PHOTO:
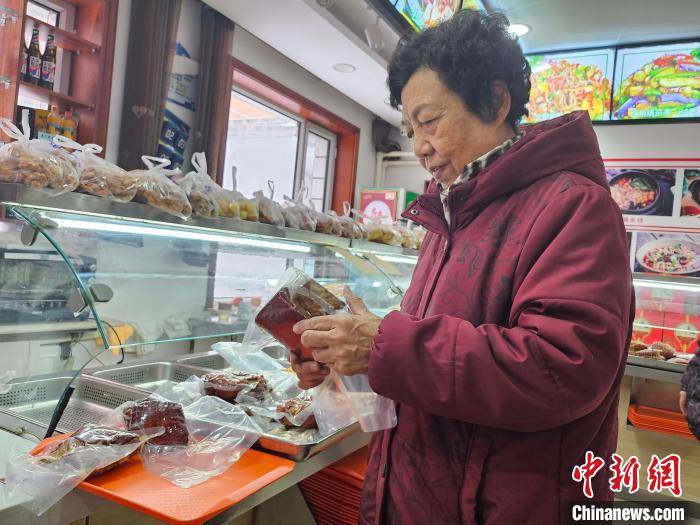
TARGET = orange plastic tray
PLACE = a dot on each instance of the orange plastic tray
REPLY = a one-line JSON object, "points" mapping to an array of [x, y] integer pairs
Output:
{"points": [[354, 465], [659, 420], [132, 486]]}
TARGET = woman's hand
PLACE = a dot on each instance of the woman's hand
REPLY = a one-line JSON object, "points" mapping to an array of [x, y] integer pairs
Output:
{"points": [[683, 401], [310, 373], [342, 342]]}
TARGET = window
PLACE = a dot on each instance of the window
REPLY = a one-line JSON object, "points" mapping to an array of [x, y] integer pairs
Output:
{"points": [[265, 143]]}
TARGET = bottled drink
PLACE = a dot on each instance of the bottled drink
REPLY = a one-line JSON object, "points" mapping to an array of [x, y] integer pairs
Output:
{"points": [[25, 58], [69, 125], [48, 64], [34, 62], [54, 121]]}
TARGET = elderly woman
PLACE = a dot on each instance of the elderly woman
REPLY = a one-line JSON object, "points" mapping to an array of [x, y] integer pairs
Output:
{"points": [[506, 358]]}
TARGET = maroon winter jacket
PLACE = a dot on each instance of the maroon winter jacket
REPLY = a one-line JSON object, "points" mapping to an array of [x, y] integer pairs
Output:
{"points": [[506, 358]]}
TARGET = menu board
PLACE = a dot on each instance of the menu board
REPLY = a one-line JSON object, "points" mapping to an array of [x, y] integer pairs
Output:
{"points": [[566, 82], [427, 13], [655, 82]]}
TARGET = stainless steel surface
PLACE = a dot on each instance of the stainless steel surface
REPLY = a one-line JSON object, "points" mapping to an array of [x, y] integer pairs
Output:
{"points": [[655, 393], [205, 360], [301, 471], [97, 206], [36, 399], [301, 450], [641, 367], [148, 376]]}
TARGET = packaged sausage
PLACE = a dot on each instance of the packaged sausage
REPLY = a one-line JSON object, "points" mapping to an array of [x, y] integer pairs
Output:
{"points": [[298, 297], [155, 188], [35, 162], [98, 176]]}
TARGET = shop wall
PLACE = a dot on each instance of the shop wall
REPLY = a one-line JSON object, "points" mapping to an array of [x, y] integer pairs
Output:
{"points": [[254, 52]]}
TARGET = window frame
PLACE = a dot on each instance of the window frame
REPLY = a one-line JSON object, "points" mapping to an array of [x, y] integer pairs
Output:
{"points": [[249, 79]]}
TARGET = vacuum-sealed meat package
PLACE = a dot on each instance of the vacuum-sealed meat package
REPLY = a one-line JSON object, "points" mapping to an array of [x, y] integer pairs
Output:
{"points": [[298, 297]]}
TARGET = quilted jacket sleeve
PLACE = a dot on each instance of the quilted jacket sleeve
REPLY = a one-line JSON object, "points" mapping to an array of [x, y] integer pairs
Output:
{"points": [[564, 344]]}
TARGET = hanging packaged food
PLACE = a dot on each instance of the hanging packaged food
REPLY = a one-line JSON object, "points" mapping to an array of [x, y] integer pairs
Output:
{"points": [[154, 187], [35, 162]]}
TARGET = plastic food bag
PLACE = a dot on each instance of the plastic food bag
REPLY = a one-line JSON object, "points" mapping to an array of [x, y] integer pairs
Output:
{"points": [[57, 469], [331, 407], [419, 233], [269, 211], [156, 189], [297, 297], [296, 215], [383, 233], [326, 223], [240, 358], [408, 238], [219, 435], [201, 189], [349, 228], [35, 162], [297, 412], [247, 208], [98, 176]]}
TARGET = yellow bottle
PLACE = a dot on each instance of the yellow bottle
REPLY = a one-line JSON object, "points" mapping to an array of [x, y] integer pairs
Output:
{"points": [[54, 121], [69, 125]]}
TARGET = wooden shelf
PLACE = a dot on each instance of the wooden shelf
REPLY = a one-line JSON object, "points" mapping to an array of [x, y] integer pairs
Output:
{"points": [[55, 97], [67, 40]]}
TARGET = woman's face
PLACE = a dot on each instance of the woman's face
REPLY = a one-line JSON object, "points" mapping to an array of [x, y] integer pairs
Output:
{"points": [[446, 135]]}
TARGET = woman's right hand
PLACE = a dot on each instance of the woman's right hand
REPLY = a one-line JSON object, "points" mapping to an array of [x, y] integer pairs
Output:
{"points": [[310, 373], [683, 401]]}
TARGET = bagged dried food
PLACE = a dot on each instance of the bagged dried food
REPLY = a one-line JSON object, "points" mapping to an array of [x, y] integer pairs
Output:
{"points": [[326, 223], [228, 204], [247, 208], [296, 215], [408, 238], [35, 162], [297, 297], [419, 233], [219, 434], [382, 233], [156, 189], [269, 211], [349, 228], [98, 176], [201, 189], [52, 472]]}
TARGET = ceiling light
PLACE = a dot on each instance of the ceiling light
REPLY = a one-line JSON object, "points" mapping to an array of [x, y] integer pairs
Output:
{"points": [[519, 29], [344, 68], [325, 3]]}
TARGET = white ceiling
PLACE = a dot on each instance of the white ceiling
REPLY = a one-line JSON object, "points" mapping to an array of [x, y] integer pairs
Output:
{"points": [[317, 37], [312, 37]]}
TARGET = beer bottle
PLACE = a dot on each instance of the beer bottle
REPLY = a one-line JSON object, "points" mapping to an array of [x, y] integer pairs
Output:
{"points": [[25, 58], [48, 63], [34, 63]]}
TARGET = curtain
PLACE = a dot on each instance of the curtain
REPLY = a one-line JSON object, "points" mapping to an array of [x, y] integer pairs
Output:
{"points": [[214, 90], [152, 37]]}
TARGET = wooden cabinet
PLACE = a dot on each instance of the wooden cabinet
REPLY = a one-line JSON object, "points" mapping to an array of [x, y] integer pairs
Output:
{"points": [[88, 46]]}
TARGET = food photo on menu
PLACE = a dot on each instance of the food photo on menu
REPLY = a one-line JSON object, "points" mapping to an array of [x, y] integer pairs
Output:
{"points": [[643, 191], [566, 82], [667, 253], [690, 203], [657, 82]]}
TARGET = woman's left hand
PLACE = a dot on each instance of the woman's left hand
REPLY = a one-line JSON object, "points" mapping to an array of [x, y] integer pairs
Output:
{"points": [[342, 342]]}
